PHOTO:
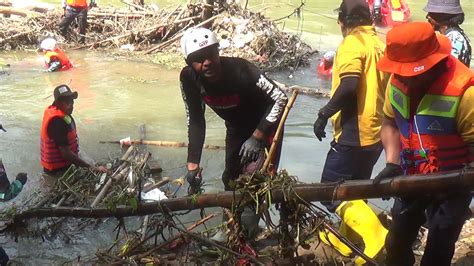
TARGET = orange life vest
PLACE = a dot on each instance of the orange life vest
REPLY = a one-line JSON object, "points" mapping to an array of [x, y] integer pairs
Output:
{"points": [[51, 157], [429, 138], [77, 3], [61, 56]]}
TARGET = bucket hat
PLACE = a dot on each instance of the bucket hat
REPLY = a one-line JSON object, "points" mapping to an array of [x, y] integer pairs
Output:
{"points": [[443, 6], [412, 49]]}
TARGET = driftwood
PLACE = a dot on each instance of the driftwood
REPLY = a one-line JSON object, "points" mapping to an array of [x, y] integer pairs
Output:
{"points": [[320, 93], [162, 144], [417, 185]]}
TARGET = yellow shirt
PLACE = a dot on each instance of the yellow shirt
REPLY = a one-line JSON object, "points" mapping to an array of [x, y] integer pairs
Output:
{"points": [[464, 117], [357, 56]]}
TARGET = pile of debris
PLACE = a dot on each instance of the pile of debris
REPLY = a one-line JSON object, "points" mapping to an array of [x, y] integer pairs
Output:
{"points": [[148, 29]]}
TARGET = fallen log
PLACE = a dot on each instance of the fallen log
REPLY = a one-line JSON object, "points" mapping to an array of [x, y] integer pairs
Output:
{"points": [[416, 185], [161, 143], [320, 93]]}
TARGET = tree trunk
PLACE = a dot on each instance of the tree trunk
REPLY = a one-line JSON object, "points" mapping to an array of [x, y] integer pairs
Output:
{"points": [[414, 186]]}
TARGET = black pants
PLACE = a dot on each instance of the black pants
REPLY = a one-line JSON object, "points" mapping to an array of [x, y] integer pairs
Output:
{"points": [[348, 163], [234, 139], [71, 14], [445, 220]]}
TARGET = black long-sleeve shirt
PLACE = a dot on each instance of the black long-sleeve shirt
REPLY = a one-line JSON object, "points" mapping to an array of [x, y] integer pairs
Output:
{"points": [[243, 97]]}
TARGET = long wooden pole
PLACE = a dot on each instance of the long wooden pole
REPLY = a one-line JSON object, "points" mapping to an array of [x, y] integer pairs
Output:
{"points": [[277, 137], [417, 185], [163, 143]]}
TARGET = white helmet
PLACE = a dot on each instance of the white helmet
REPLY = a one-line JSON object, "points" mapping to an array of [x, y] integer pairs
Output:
{"points": [[48, 44], [329, 56], [197, 39]]}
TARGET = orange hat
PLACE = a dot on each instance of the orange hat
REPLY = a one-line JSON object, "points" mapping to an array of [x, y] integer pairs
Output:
{"points": [[412, 49]]}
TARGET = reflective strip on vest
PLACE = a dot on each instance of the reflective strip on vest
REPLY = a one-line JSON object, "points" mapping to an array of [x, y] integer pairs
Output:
{"points": [[400, 101], [438, 105]]}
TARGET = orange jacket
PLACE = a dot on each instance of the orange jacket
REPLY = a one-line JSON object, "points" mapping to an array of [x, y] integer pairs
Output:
{"points": [[77, 3], [51, 157], [60, 55], [429, 139]]}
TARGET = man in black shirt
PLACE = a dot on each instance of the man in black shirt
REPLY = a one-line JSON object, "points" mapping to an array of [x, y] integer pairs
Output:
{"points": [[59, 142], [249, 102]]}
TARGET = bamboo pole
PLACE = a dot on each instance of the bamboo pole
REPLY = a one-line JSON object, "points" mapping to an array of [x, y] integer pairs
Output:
{"points": [[117, 176], [277, 137], [163, 143], [402, 186]]}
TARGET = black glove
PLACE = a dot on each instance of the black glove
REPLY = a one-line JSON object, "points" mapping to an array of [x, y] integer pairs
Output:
{"points": [[22, 177], [319, 126], [250, 150], [390, 170], [194, 179]]}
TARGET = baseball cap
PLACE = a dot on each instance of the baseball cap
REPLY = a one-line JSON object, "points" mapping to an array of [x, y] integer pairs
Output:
{"points": [[354, 8], [63, 91], [412, 49]]}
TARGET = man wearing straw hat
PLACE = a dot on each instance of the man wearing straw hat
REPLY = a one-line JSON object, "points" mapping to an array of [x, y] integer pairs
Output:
{"points": [[428, 128]]}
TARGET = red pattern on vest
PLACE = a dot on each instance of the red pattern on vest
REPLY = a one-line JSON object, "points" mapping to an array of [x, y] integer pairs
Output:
{"points": [[77, 3], [61, 56], [446, 151], [51, 157]]}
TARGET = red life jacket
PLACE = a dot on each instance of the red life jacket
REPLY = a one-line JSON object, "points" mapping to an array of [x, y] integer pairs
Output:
{"points": [[61, 56], [77, 3], [429, 138], [51, 157]]}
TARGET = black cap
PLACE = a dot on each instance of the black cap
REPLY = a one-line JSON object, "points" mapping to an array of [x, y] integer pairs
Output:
{"points": [[63, 91], [358, 9]]}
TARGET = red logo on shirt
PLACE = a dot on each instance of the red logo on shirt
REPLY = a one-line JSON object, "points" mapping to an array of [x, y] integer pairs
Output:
{"points": [[222, 102]]}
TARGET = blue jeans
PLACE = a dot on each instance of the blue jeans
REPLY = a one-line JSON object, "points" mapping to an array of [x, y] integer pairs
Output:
{"points": [[345, 162]]}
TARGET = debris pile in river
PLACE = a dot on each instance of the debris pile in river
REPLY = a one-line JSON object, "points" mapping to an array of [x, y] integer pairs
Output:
{"points": [[149, 30]]}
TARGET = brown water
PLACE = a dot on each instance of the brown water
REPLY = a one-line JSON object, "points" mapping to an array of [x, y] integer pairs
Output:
{"points": [[117, 95]]}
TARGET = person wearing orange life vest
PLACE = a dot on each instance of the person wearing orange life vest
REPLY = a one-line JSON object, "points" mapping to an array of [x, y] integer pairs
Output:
{"points": [[54, 58], [59, 141], [428, 128], [73, 9]]}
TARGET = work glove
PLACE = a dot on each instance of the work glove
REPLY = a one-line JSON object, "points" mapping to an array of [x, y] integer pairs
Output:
{"points": [[319, 126], [22, 177], [390, 170], [250, 150], [194, 179]]}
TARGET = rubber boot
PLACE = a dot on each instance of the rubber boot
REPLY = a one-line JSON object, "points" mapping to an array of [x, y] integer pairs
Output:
{"points": [[331, 240], [361, 219]]}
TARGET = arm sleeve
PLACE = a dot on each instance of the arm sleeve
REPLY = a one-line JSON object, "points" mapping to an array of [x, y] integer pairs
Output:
{"points": [[457, 43], [57, 131], [346, 91], [195, 116], [465, 117], [387, 107], [275, 95]]}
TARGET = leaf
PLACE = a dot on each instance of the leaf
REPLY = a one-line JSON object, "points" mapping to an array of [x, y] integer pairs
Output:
{"points": [[133, 203]]}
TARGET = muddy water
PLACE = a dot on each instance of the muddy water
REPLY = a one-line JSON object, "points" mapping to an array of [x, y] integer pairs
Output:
{"points": [[116, 96]]}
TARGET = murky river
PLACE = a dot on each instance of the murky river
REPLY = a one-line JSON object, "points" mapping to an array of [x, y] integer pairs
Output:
{"points": [[116, 96]]}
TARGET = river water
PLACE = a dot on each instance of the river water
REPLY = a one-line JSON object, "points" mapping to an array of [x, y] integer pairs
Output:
{"points": [[117, 95]]}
